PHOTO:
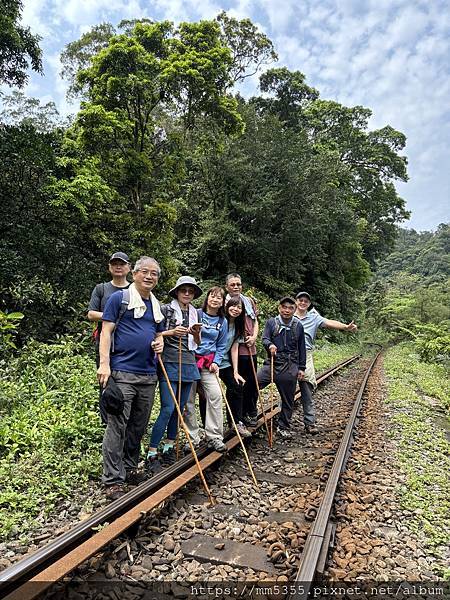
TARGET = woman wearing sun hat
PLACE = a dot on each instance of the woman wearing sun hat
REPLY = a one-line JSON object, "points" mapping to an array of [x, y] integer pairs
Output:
{"points": [[181, 324]]}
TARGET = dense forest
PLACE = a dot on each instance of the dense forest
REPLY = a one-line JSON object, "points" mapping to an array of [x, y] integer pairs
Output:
{"points": [[166, 158], [408, 298]]}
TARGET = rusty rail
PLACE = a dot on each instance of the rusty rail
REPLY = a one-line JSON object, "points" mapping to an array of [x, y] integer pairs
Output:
{"points": [[316, 540]]}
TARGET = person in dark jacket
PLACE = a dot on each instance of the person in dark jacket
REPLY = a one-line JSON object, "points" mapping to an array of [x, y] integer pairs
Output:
{"points": [[284, 339]]}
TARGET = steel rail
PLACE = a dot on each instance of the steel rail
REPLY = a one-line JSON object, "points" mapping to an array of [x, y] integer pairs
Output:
{"points": [[169, 480], [315, 540]]}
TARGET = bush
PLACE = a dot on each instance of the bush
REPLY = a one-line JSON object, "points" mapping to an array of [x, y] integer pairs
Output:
{"points": [[50, 430], [433, 342]]}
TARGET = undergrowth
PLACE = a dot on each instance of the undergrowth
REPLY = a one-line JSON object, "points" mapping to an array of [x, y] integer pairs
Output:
{"points": [[418, 392], [50, 431]]}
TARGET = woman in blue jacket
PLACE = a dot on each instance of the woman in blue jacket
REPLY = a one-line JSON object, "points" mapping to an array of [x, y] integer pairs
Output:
{"points": [[209, 355]]}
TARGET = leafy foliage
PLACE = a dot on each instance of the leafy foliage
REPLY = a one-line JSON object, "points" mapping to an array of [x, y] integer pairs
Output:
{"points": [[19, 48], [409, 295], [162, 159], [50, 431]]}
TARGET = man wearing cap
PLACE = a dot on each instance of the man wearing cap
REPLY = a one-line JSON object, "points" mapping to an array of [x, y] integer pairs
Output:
{"points": [[311, 321], [284, 340], [119, 266], [128, 343], [247, 348]]}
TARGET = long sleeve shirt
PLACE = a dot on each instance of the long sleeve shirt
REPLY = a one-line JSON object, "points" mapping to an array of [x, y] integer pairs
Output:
{"points": [[214, 336], [290, 342]]}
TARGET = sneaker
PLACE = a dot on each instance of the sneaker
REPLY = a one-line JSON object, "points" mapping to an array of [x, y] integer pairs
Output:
{"points": [[284, 433], [169, 458], [187, 448], [115, 491], [312, 429], [217, 445], [153, 464], [135, 477], [243, 431]]}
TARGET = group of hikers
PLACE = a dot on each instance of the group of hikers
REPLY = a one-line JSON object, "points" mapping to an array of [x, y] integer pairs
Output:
{"points": [[187, 351]]}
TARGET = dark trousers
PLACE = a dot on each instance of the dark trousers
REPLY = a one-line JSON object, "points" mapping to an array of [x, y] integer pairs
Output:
{"points": [[234, 394], [250, 391], [286, 383], [123, 434]]}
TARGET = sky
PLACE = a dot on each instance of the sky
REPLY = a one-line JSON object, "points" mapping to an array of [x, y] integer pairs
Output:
{"points": [[392, 56]]}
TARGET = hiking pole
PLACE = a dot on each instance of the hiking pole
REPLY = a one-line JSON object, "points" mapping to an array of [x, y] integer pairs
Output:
{"points": [[183, 424], [237, 431], [260, 398], [271, 399], [177, 439]]}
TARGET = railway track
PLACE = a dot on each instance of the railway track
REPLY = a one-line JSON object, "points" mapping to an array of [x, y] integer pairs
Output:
{"points": [[32, 575]]}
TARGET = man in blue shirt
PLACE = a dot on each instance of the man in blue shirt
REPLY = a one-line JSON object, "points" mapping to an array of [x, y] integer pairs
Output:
{"points": [[283, 338], [128, 344], [311, 322]]}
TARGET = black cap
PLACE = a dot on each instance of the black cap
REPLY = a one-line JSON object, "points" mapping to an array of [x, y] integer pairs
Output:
{"points": [[120, 256], [112, 400], [289, 299], [300, 294]]}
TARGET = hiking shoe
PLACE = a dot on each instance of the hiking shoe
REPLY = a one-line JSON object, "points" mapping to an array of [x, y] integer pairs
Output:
{"points": [[135, 477], [115, 491], [243, 431], [284, 433], [312, 429], [251, 421], [169, 458], [187, 448], [217, 445], [153, 464]]}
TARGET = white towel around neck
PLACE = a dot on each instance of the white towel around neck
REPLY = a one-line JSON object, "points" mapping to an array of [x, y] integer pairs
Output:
{"points": [[137, 304], [193, 318]]}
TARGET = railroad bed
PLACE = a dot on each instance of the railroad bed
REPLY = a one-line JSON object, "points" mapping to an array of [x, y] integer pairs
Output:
{"points": [[251, 534]]}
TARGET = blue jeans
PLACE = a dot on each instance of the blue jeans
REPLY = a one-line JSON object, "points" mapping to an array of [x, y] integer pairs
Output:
{"points": [[168, 415]]}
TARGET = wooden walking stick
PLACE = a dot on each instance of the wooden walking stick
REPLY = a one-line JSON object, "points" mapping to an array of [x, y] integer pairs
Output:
{"points": [[237, 431], [260, 398], [177, 441], [271, 399], [183, 424]]}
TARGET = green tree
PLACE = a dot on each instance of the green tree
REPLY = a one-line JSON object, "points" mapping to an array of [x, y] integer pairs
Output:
{"points": [[19, 48]]}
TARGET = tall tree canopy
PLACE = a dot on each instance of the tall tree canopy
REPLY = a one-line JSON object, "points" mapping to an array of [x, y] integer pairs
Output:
{"points": [[19, 48], [165, 158]]}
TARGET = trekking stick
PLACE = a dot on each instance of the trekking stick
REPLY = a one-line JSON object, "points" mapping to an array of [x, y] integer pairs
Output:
{"points": [[183, 424], [237, 431], [177, 440], [271, 399], [260, 398]]}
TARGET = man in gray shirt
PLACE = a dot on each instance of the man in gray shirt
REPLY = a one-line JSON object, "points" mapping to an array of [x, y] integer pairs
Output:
{"points": [[119, 266]]}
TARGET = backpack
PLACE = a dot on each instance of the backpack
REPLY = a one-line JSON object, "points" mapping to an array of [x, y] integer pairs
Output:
{"points": [[123, 308], [294, 326]]}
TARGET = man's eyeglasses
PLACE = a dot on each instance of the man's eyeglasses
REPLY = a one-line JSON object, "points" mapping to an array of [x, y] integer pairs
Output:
{"points": [[146, 272]]}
